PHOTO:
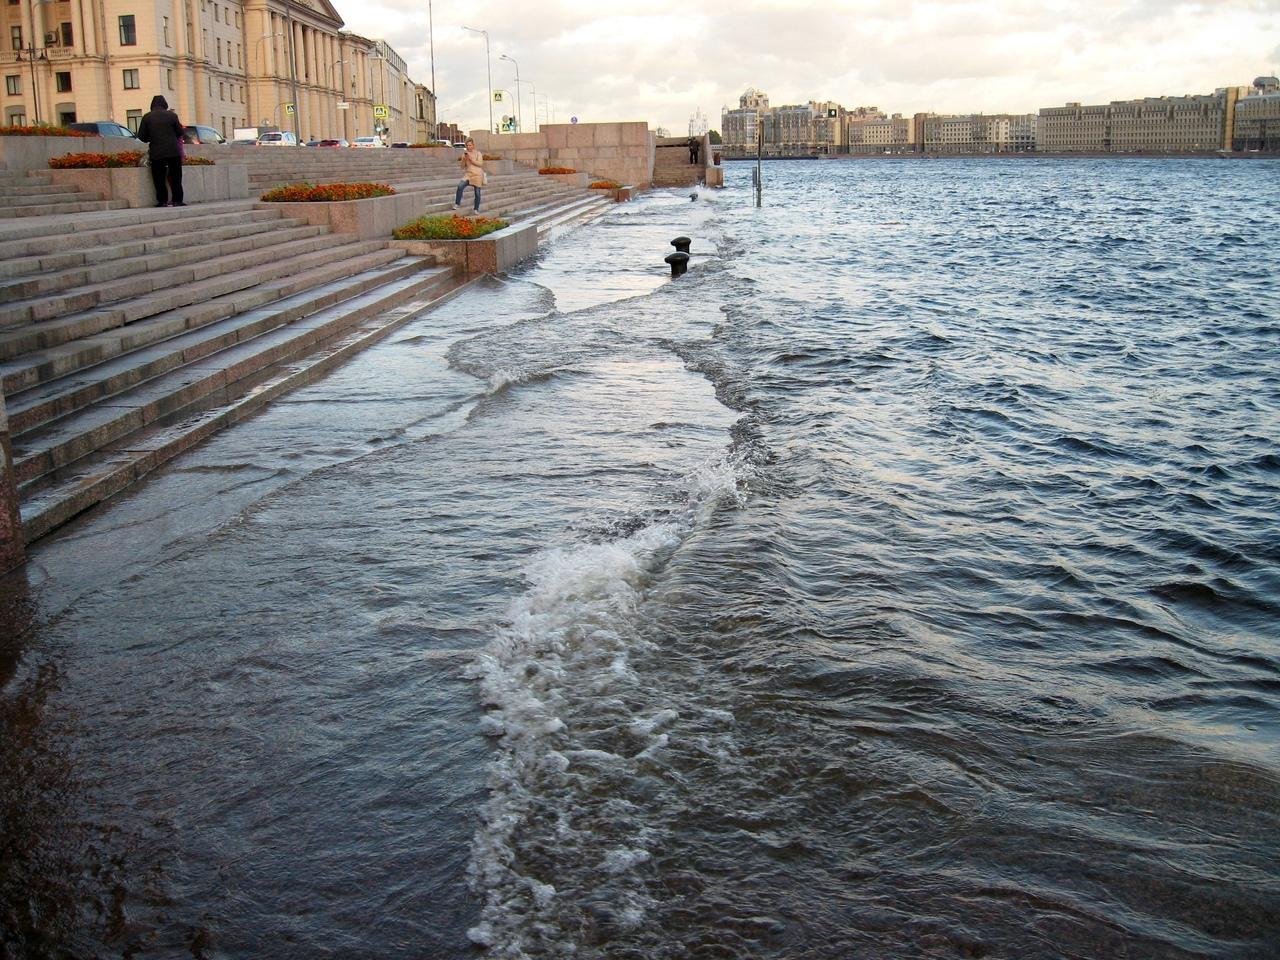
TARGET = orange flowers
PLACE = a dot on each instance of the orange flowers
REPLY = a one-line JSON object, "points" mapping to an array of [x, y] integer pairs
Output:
{"points": [[95, 161], [448, 227], [545, 171], [604, 185], [41, 130], [327, 192]]}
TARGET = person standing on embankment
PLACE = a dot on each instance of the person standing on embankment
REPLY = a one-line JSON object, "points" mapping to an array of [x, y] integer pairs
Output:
{"points": [[472, 161], [161, 131]]}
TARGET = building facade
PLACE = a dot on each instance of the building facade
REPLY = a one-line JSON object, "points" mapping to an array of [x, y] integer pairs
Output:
{"points": [[247, 63], [1190, 124], [1257, 117]]}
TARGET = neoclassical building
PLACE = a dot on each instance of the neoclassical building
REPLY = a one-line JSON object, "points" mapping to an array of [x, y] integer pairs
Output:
{"points": [[228, 65]]}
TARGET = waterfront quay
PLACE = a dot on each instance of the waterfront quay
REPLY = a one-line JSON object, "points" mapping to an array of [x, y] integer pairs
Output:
{"points": [[130, 333]]}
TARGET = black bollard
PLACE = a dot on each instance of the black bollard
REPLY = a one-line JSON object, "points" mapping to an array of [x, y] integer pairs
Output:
{"points": [[679, 262], [681, 244]]}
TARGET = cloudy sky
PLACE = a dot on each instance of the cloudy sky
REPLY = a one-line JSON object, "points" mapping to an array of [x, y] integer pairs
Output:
{"points": [[661, 60]]}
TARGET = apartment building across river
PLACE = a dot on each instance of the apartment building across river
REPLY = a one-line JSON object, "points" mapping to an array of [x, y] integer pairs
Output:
{"points": [[1231, 118]]}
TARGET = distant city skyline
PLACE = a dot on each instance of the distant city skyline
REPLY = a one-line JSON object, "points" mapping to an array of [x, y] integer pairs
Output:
{"points": [[662, 62]]}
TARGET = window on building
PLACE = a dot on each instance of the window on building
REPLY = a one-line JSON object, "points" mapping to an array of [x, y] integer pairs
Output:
{"points": [[18, 119], [13, 3], [132, 118], [218, 41], [166, 33], [239, 59], [131, 80], [237, 19], [128, 31], [15, 37], [13, 84], [66, 117], [168, 79], [62, 81], [68, 38], [222, 92]]}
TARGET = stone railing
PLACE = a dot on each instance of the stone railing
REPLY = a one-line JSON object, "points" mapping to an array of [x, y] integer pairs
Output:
{"points": [[617, 151]]}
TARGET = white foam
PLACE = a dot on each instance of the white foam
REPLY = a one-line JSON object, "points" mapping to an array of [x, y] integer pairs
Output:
{"points": [[557, 676]]}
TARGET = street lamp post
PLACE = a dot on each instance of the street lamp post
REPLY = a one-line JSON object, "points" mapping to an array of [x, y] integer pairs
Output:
{"points": [[519, 121], [534, 91], [30, 51], [488, 70], [265, 36], [342, 82]]}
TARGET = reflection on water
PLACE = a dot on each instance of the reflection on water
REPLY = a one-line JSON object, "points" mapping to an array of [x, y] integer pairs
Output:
{"points": [[899, 583]]}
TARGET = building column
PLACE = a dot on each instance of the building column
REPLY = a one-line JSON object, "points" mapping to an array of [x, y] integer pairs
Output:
{"points": [[12, 543]]}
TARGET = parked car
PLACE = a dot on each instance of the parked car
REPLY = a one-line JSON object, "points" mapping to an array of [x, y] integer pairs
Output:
{"points": [[104, 128], [198, 133], [333, 142], [461, 144], [245, 142], [368, 142], [443, 143], [278, 138], [401, 143]]}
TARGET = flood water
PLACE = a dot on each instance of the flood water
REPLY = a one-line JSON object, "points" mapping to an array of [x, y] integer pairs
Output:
{"points": [[902, 582]]}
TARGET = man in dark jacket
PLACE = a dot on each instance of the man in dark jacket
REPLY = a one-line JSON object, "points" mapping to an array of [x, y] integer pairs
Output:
{"points": [[161, 130]]}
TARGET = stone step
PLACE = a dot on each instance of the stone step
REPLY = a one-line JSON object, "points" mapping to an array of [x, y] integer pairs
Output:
{"points": [[63, 420], [141, 240], [571, 214], [42, 235], [40, 188], [171, 287], [202, 246], [61, 209], [183, 336], [48, 198], [296, 355], [88, 339]]}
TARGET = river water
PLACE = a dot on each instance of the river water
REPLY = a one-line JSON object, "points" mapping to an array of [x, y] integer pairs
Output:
{"points": [[902, 582]]}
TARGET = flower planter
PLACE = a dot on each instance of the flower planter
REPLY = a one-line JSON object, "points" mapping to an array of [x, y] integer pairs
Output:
{"points": [[34, 153], [371, 219], [223, 181], [495, 252]]}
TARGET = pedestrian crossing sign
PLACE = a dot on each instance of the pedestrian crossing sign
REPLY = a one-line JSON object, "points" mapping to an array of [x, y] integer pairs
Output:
{"points": [[380, 111]]}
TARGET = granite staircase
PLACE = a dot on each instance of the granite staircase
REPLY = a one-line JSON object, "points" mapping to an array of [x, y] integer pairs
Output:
{"points": [[127, 336], [671, 166]]}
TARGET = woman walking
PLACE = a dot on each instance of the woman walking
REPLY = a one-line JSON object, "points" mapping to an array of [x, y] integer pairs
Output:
{"points": [[161, 130], [472, 161]]}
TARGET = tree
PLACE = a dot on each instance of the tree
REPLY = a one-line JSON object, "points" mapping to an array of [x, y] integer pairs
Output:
{"points": [[715, 136]]}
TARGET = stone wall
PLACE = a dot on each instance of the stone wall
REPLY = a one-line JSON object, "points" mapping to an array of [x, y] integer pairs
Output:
{"points": [[614, 151]]}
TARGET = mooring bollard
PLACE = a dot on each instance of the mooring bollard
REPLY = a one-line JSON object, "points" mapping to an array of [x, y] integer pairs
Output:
{"points": [[679, 262], [681, 244]]}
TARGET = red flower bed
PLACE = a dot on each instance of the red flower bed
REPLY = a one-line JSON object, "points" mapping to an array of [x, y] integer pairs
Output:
{"points": [[197, 162], [550, 170], [447, 227], [96, 161], [326, 192], [605, 185], [41, 131]]}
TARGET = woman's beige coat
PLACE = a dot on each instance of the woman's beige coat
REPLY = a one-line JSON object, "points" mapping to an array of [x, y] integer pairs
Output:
{"points": [[473, 166]]}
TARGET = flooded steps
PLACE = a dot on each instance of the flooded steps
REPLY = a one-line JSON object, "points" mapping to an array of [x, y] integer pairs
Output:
{"points": [[45, 323], [299, 353], [188, 368], [127, 336]]}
